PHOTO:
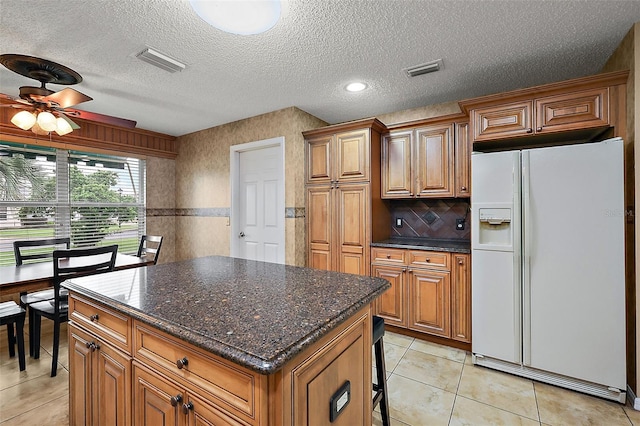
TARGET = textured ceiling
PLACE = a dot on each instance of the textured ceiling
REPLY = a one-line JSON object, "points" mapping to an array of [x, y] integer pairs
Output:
{"points": [[317, 47]]}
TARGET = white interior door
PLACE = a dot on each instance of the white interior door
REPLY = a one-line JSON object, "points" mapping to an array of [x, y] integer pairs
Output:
{"points": [[258, 211]]}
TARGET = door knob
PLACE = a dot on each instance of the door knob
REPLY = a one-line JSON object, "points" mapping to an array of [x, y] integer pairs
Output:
{"points": [[241, 234]]}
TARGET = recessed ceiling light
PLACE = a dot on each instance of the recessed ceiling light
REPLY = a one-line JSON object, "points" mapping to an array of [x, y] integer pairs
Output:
{"points": [[356, 87], [244, 17]]}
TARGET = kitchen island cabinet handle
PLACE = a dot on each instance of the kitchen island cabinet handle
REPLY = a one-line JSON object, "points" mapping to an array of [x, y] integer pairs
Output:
{"points": [[529, 130], [94, 317], [92, 345], [182, 362], [186, 407], [175, 400], [539, 129]]}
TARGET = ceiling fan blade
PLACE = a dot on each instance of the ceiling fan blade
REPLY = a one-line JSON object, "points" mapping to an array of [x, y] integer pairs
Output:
{"points": [[67, 97], [101, 118], [73, 125]]}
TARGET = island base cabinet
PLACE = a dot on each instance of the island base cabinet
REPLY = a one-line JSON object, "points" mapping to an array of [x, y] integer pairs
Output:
{"points": [[160, 402], [100, 381]]}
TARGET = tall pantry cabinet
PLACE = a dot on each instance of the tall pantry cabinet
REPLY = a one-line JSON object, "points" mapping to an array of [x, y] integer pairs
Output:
{"points": [[344, 210]]}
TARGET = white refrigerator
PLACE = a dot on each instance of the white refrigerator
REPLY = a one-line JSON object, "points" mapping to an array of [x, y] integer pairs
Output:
{"points": [[548, 274]]}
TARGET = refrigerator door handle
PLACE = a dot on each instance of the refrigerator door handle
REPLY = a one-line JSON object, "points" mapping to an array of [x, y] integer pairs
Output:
{"points": [[527, 237]]}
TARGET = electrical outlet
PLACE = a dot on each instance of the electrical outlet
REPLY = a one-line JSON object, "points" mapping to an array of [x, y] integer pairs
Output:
{"points": [[398, 222], [459, 224]]}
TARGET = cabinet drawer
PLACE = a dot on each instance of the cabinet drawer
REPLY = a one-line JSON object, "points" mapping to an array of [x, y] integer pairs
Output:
{"points": [[111, 326], [429, 259], [228, 385], [388, 255]]}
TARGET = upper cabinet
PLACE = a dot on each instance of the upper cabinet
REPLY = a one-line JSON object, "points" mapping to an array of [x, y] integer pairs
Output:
{"points": [[583, 107], [419, 159], [340, 157]]}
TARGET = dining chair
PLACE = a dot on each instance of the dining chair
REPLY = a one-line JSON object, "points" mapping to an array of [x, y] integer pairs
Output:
{"points": [[28, 250], [11, 313], [67, 264], [150, 249]]}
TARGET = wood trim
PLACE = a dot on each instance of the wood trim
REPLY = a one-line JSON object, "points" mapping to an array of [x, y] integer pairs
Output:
{"points": [[95, 137], [373, 123], [443, 119], [577, 84]]}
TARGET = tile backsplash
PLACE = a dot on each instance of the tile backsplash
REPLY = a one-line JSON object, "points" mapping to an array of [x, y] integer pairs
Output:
{"points": [[430, 218]]}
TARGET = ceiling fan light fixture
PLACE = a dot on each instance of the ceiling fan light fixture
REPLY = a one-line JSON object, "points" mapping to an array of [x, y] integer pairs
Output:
{"points": [[243, 17], [46, 121], [39, 130], [24, 120], [62, 126]]}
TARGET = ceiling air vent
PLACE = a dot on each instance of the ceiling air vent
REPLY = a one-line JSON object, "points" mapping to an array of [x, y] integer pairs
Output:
{"points": [[432, 66], [160, 60]]}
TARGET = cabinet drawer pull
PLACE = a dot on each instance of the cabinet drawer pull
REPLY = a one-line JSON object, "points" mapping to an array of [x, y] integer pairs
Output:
{"points": [[175, 400], [94, 317], [539, 129], [186, 407], [182, 363], [529, 130], [92, 345], [427, 260], [388, 256]]}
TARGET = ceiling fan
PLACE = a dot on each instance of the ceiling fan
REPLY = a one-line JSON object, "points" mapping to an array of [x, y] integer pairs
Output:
{"points": [[44, 110]]}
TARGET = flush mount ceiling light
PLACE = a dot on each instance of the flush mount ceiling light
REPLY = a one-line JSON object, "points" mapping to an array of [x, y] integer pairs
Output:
{"points": [[244, 17], [356, 86], [417, 70]]}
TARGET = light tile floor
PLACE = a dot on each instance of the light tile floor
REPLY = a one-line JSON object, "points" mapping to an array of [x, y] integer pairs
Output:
{"points": [[428, 385]]}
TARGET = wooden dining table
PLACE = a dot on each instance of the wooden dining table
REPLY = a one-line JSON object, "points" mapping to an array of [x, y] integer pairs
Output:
{"points": [[37, 276]]}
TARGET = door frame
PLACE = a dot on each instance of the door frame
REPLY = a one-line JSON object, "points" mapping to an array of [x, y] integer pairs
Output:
{"points": [[235, 151]]}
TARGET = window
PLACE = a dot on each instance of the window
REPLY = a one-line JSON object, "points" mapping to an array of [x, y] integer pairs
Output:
{"points": [[47, 192]]}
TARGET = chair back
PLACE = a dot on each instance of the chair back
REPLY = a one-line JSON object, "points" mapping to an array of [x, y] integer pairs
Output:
{"points": [[150, 245], [50, 243], [85, 261]]}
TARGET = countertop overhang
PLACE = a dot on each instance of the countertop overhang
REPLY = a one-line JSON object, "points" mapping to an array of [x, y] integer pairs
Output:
{"points": [[256, 314]]}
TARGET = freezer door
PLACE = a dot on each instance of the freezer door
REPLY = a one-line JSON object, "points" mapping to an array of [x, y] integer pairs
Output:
{"points": [[495, 250], [573, 292]]}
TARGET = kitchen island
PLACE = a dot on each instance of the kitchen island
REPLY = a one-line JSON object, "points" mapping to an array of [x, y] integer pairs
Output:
{"points": [[219, 340]]}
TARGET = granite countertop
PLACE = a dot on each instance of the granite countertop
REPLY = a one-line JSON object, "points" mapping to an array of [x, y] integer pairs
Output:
{"points": [[432, 244], [255, 314]]}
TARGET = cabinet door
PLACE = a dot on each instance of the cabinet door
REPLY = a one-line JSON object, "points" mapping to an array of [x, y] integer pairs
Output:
{"points": [[319, 231], [352, 225], [429, 301], [461, 298], [319, 160], [573, 111], [396, 165], [433, 161], [112, 387], [152, 403], [80, 373], [462, 161], [502, 121], [352, 156], [202, 413], [391, 304]]}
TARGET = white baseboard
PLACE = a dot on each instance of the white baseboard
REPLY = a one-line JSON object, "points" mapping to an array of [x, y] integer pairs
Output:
{"points": [[634, 401]]}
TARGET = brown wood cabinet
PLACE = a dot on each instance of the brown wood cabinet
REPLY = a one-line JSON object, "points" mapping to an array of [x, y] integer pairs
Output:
{"points": [[573, 106], [164, 380], [419, 159], [430, 291], [343, 192], [100, 384]]}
